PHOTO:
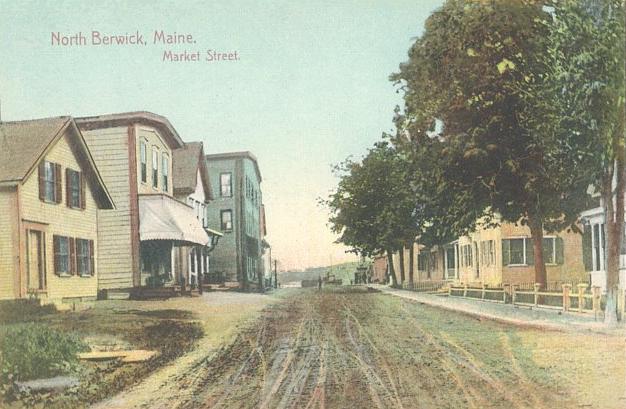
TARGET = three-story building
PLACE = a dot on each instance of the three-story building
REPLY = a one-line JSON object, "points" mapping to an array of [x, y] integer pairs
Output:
{"points": [[138, 240], [237, 209]]}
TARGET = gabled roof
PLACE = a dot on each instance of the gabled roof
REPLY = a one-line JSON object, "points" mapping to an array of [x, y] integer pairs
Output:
{"points": [[128, 118], [24, 143], [236, 155], [186, 162]]}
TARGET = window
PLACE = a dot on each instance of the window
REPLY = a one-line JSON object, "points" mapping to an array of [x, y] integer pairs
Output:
{"points": [[143, 158], [61, 255], [466, 255], [165, 164], [598, 246], [75, 190], [226, 217], [517, 251], [84, 257], [50, 182], [487, 253], [73, 256], [549, 250], [155, 167], [226, 186]]}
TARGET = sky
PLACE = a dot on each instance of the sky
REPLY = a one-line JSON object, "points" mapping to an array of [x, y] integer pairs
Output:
{"points": [[309, 86]]}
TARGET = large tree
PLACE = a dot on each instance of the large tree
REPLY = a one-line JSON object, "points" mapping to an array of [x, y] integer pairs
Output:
{"points": [[480, 70], [373, 207], [587, 37]]}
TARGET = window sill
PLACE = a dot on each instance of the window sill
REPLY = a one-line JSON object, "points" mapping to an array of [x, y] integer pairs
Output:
{"points": [[517, 265], [86, 276]]}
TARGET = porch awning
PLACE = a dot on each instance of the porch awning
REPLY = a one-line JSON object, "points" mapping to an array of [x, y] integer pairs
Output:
{"points": [[164, 218]]}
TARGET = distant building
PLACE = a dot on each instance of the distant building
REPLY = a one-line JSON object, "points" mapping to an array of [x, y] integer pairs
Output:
{"points": [[379, 269], [237, 208], [50, 194]]}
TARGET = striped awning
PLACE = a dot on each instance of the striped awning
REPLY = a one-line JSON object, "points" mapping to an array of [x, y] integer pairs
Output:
{"points": [[164, 218]]}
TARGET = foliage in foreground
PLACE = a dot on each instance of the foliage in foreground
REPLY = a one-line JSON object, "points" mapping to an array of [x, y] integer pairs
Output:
{"points": [[34, 351]]}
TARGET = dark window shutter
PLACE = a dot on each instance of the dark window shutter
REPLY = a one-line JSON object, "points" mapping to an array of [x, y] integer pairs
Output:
{"points": [[55, 240], [506, 257], [68, 187], [72, 260], [83, 200], [530, 252], [587, 249], [559, 250], [57, 183], [92, 264], [42, 180]]}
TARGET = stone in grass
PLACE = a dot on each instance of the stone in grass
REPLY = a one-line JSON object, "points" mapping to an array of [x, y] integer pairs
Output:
{"points": [[57, 383]]}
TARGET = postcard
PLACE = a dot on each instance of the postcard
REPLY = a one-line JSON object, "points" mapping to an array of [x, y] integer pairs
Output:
{"points": [[323, 204]]}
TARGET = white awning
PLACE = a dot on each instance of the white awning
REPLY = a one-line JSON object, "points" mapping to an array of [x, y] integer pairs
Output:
{"points": [[164, 218]]}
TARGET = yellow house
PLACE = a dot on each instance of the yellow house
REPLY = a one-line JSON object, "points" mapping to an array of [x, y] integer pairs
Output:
{"points": [[50, 191], [498, 255]]}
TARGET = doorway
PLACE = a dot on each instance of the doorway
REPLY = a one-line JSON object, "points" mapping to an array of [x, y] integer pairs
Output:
{"points": [[36, 260]]}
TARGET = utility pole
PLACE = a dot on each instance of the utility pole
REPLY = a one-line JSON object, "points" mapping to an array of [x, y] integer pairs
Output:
{"points": [[275, 275]]}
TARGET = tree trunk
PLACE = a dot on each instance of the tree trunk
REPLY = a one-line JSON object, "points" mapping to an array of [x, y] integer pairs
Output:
{"points": [[611, 253], [411, 262], [536, 232], [401, 259], [614, 227], [392, 271]]}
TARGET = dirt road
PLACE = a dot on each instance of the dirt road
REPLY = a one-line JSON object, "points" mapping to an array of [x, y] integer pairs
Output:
{"points": [[360, 349]]}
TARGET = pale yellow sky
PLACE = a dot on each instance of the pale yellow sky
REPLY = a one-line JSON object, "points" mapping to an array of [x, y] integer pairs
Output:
{"points": [[310, 87]]}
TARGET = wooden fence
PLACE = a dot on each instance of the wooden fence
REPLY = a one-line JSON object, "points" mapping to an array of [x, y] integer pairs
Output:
{"points": [[571, 298], [425, 286]]}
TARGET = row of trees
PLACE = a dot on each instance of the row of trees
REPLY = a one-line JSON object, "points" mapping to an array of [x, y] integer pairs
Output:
{"points": [[513, 111]]}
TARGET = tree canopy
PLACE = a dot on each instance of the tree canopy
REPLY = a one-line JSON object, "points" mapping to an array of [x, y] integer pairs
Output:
{"points": [[482, 71], [373, 207]]}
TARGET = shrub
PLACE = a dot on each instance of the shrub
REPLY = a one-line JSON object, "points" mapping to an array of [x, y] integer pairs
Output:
{"points": [[14, 311], [34, 351]]}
